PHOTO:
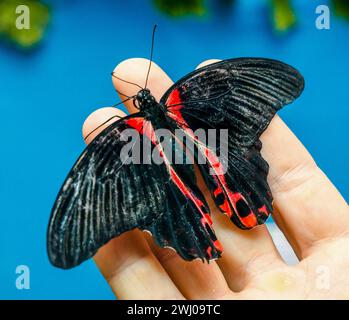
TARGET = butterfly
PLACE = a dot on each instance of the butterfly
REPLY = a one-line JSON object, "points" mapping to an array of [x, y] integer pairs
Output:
{"points": [[103, 196]]}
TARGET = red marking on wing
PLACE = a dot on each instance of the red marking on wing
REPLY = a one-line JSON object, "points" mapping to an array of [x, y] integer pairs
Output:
{"points": [[218, 246], [217, 192], [143, 127], [146, 128], [207, 219], [263, 209], [250, 221], [209, 252], [230, 198], [136, 123], [173, 103], [174, 98]]}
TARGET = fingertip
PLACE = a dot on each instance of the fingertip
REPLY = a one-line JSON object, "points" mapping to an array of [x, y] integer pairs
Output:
{"points": [[131, 66], [206, 63], [97, 121], [135, 70]]}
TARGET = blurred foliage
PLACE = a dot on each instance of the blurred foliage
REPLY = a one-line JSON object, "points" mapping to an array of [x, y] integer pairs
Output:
{"points": [[23, 38], [283, 16], [282, 13], [178, 8], [181, 8], [341, 8]]}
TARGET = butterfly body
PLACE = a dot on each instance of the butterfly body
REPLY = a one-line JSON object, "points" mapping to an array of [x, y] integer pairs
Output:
{"points": [[104, 196], [147, 104]]}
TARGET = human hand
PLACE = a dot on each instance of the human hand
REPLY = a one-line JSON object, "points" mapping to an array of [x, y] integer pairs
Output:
{"points": [[307, 208]]}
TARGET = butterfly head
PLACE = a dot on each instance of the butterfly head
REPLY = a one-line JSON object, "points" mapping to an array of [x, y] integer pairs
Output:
{"points": [[145, 99]]}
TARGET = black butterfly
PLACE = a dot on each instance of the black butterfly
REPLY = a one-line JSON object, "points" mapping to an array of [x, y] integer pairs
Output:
{"points": [[103, 197]]}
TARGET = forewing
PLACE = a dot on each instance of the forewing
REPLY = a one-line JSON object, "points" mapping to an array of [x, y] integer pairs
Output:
{"points": [[103, 197]]}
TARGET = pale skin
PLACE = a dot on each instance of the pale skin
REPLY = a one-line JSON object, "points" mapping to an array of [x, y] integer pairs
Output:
{"points": [[308, 209]]}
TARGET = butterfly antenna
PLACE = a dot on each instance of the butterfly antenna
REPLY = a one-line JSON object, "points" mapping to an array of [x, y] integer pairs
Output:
{"points": [[151, 55], [125, 95], [102, 124], [116, 77]]}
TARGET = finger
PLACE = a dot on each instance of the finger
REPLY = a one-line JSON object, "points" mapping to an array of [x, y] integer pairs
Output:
{"points": [[309, 208], [206, 63], [246, 252], [132, 271], [127, 262], [195, 280], [97, 121]]}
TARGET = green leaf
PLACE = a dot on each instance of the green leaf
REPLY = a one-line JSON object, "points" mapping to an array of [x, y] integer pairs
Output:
{"points": [[341, 8], [179, 8], [283, 15], [39, 14]]}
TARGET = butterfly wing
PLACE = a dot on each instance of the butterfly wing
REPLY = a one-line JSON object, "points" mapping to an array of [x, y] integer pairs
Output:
{"points": [[187, 226], [104, 196], [241, 95]]}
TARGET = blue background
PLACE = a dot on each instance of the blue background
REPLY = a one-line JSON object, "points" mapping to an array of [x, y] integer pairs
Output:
{"points": [[45, 97]]}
